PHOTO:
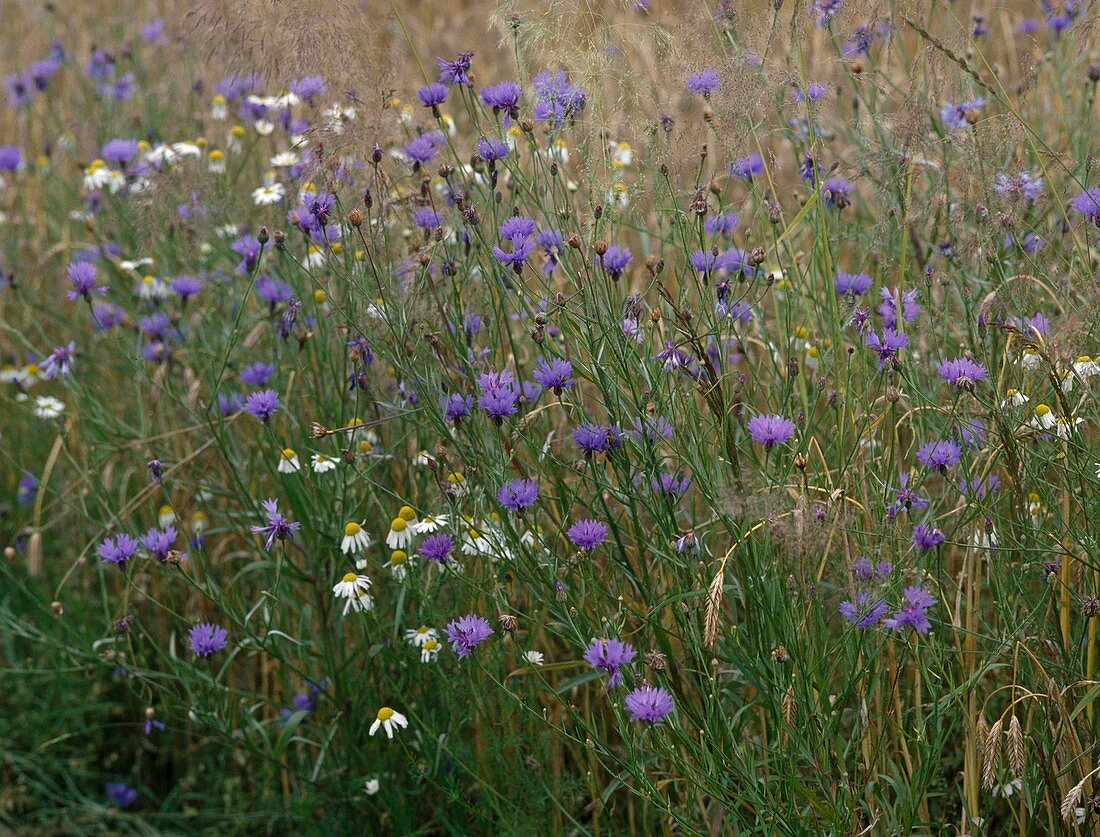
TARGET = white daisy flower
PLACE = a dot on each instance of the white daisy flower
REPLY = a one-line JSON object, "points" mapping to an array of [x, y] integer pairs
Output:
{"points": [[134, 265], [370, 787], [622, 154], [534, 658], [263, 127], [1030, 359], [401, 533], [97, 176], [356, 589], [1065, 427], [48, 407], [422, 459], [356, 538], [474, 542], [431, 523], [419, 636], [234, 141], [270, 194], [323, 464], [166, 517], [399, 564], [1043, 419], [219, 108], [288, 462], [187, 149], [1014, 398], [284, 160], [216, 162], [429, 650], [315, 257], [150, 287], [387, 719], [160, 154], [198, 522]]}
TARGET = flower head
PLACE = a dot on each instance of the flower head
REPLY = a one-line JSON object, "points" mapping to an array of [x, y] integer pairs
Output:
{"points": [[770, 431], [262, 404], [387, 719], [587, 534], [648, 704], [466, 633], [207, 639], [940, 455], [704, 82], [555, 374], [912, 612], [518, 495], [962, 372], [83, 278], [278, 527], [1088, 204], [610, 655], [118, 550]]}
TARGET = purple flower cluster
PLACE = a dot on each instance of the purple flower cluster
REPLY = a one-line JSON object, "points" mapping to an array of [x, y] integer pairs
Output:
{"points": [[648, 704], [466, 633], [518, 495], [207, 639], [609, 656]]}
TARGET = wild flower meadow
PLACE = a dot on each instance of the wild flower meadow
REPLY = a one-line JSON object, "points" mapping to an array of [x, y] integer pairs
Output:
{"points": [[550, 417]]}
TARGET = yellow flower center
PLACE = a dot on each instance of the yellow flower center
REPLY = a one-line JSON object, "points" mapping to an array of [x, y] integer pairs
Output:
{"points": [[455, 478], [237, 131], [352, 529], [165, 509], [365, 446], [318, 296], [385, 713], [398, 557], [431, 645], [217, 155], [407, 513], [399, 524], [1042, 410], [1012, 393], [288, 453], [349, 577], [1084, 359]]}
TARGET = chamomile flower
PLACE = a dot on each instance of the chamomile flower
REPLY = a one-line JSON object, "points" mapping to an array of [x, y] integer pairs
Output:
{"points": [[533, 658], [48, 407], [165, 516], [199, 523], [1029, 359], [215, 163], [422, 459], [322, 464], [401, 533], [387, 719], [1044, 418], [151, 288], [284, 160], [456, 481], [1035, 506], [288, 462], [430, 650], [263, 127], [219, 108], [315, 257], [270, 194], [421, 635], [356, 538], [622, 154], [399, 564], [371, 786], [431, 523], [1014, 398], [1065, 426], [474, 542], [1084, 368], [356, 590]]}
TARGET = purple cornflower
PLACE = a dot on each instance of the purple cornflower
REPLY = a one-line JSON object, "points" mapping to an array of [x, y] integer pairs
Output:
{"points": [[704, 261], [972, 432], [119, 151], [1088, 204], [456, 407], [307, 87], [724, 223], [770, 431], [248, 248], [230, 404], [518, 495], [1019, 186], [888, 309], [120, 794], [278, 527], [596, 438], [427, 218], [26, 492], [912, 613], [11, 157], [837, 192], [156, 325], [59, 361], [940, 455], [1039, 322], [855, 284], [557, 374], [499, 395], [456, 71], [207, 639], [672, 359], [466, 633], [704, 82], [20, 89], [185, 286], [610, 655], [82, 275], [262, 404], [156, 470], [158, 543], [615, 260], [670, 484], [962, 372], [517, 226], [826, 10], [863, 611], [118, 550], [953, 114], [423, 148], [652, 428], [648, 704], [553, 243], [905, 499], [555, 98], [273, 291], [433, 95], [436, 548], [256, 374], [522, 247], [491, 150], [746, 168], [865, 571], [503, 97], [587, 534], [927, 537]]}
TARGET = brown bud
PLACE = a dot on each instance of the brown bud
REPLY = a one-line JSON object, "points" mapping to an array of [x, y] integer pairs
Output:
{"points": [[757, 256], [708, 114], [280, 238], [856, 67], [780, 655], [574, 241], [893, 394], [650, 261], [263, 237], [715, 187], [600, 247], [527, 126], [446, 170], [1090, 607], [656, 660], [972, 116], [800, 461], [1094, 72], [508, 622], [56, 608], [355, 217]]}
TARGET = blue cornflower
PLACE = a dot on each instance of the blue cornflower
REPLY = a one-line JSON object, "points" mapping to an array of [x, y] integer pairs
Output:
{"points": [[518, 495], [278, 526]]}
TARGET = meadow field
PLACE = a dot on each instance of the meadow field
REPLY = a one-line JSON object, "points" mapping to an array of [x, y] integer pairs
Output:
{"points": [[587, 417]]}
